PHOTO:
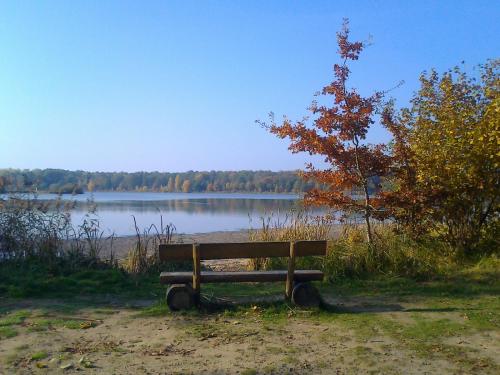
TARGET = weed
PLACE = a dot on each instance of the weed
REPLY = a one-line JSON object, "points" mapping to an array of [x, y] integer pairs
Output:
{"points": [[144, 256]]}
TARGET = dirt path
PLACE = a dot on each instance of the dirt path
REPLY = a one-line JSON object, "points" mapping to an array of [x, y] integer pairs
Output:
{"points": [[362, 335]]}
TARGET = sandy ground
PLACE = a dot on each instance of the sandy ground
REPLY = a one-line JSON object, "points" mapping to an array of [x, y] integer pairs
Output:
{"points": [[363, 335], [121, 245], [118, 339]]}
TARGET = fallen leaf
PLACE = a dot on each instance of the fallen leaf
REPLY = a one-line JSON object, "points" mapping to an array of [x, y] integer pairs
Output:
{"points": [[85, 325]]}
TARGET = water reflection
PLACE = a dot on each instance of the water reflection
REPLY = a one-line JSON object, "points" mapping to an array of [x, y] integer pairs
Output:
{"points": [[193, 206], [190, 213]]}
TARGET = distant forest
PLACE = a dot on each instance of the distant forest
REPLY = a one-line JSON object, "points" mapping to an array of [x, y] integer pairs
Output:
{"points": [[63, 181]]}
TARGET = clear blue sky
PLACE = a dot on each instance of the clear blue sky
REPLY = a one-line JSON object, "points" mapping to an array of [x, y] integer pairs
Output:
{"points": [[177, 85]]}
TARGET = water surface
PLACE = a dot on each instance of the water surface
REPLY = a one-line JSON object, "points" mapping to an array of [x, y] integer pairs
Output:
{"points": [[189, 212]]}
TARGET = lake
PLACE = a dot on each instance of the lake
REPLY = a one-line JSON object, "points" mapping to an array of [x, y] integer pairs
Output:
{"points": [[189, 212]]}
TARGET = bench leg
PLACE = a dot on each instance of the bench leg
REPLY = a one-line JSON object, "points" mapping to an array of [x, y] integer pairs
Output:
{"points": [[180, 297], [291, 272], [306, 295], [196, 273]]}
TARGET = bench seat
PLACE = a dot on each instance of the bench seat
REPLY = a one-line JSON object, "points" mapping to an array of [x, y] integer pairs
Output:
{"points": [[240, 276]]}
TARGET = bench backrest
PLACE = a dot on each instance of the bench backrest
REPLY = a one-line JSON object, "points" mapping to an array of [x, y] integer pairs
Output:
{"points": [[207, 251]]}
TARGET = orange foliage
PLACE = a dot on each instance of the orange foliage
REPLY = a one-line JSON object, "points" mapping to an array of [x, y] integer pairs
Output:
{"points": [[338, 133]]}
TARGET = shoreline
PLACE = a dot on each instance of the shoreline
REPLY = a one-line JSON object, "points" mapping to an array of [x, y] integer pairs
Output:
{"points": [[123, 244]]}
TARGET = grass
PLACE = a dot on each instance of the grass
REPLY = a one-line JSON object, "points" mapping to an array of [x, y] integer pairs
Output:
{"points": [[37, 280], [7, 332], [39, 356], [426, 337], [436, 311], [350, 256], [448, 307], [444, 298], [41, 325], [14, 318]]}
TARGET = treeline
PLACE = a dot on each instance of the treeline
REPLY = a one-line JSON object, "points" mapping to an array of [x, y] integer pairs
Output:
{"points": [[64, 181]]}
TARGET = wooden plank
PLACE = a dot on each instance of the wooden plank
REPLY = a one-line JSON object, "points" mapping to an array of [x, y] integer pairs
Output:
{"points": [[290, 272], [176, 252], [308, 248], [179, 252], [244, 250], [243, 276], [196, 268]]}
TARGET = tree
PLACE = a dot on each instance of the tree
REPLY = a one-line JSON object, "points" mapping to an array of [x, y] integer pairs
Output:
{"points": [[170, 185], [449, 170], [91, 185], [186, 186], [338, 133], [177, 183]]}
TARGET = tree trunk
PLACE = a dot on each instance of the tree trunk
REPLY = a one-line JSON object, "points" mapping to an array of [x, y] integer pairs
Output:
{"points": [[368, 229], [369, 237]]}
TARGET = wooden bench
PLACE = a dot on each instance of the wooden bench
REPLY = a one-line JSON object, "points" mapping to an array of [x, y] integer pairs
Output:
{"points": [[184, 290]]}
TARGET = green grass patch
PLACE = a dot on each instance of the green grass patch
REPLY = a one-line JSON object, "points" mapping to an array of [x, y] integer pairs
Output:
{"points": [[243, 290], [425, 329], [39, 355], [14, 318], [37, 280], [159, 308], [7, 332]]}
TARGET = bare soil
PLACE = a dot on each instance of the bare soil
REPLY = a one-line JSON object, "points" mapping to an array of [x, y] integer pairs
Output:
{"points": [[125, 337]]}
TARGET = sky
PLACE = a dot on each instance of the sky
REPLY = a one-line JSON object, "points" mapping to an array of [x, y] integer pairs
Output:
{"points": [[177, 85]]}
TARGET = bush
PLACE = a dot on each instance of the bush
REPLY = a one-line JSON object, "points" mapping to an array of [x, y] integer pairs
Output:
{"points": [[447, 176], [30, 228], [34, 230]]}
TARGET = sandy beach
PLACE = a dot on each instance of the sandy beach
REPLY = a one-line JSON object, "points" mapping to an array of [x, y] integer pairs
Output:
{"points": [[123, 244]]}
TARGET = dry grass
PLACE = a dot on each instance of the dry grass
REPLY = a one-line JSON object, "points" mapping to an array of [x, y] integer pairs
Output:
{"points": [[34, 230], [296, 225], [349, 255], [38, 231], [144, 257]]}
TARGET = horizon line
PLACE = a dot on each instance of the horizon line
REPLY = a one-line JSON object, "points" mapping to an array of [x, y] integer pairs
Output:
{"points": [[154, 171]]}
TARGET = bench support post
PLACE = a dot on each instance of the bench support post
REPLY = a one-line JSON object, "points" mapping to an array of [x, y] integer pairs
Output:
{"points": [[291, 271], [196, 271]]}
